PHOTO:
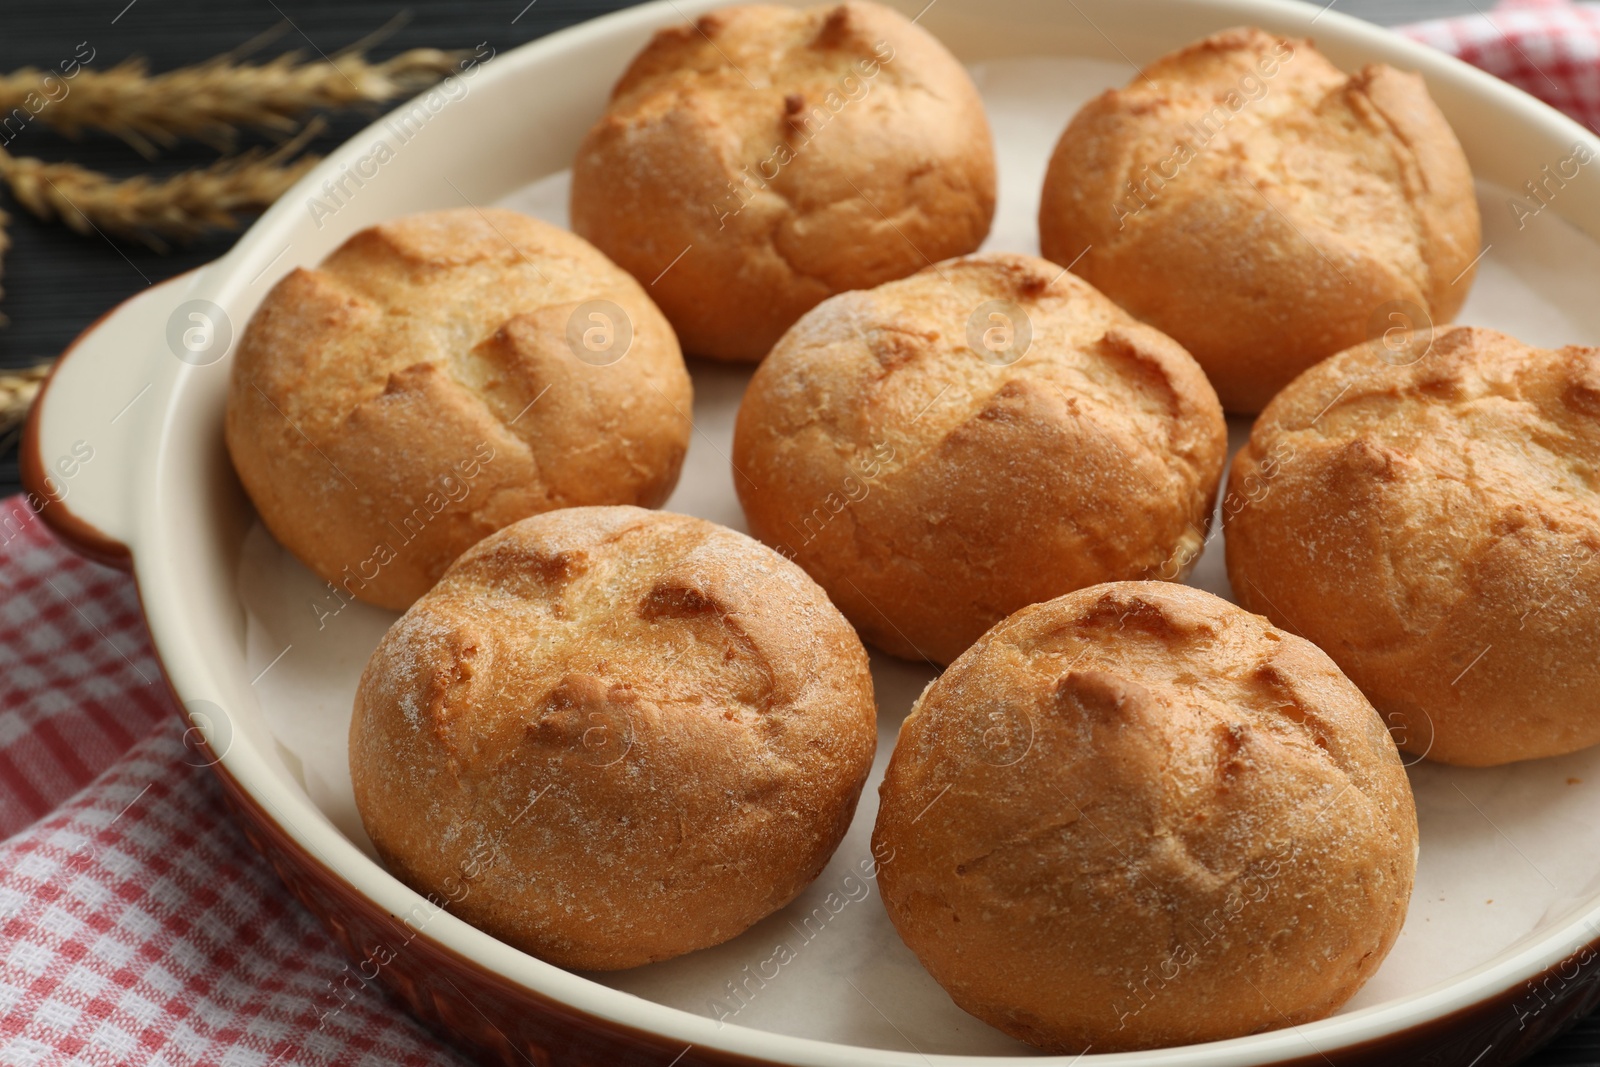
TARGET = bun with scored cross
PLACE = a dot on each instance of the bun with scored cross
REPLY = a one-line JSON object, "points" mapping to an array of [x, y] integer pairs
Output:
{"points": [[759, 160], [987, 433], [439, 376], [1265, 209], [610, 736], [1137, 816], [1430, 516]]}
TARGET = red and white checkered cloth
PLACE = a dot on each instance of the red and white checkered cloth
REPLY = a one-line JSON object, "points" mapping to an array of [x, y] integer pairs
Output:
{"points": [[1549, 48], [137, 926]]}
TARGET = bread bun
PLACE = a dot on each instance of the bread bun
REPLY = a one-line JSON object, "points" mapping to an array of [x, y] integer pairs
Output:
{"points": [[611, 736], [1431, 518], [1265, 210], [1138, 816], [990, 432], [756, 162], [440, 376]]}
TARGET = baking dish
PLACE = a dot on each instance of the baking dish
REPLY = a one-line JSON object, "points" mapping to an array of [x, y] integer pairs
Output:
{"points": [[142, 393]]}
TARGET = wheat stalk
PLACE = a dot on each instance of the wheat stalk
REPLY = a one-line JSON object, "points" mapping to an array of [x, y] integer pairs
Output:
{"points": [[17, 390], [150, 210], [5, 246], [212, 101]]}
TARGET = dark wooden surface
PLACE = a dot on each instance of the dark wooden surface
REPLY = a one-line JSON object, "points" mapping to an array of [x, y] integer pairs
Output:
{"points": [[57, 282]]}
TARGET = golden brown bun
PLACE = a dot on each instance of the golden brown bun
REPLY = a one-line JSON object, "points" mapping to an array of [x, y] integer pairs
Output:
{"points": [[1276, 206], [611, 736], [1435, 527], [1127, 817], [418, 391], [933, 491], [785, 155]]}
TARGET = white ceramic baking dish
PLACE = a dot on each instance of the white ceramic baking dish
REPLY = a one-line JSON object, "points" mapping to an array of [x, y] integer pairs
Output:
{"points": [[158, 497]]}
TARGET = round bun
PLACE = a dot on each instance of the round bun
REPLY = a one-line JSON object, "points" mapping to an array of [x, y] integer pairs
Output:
{"points": [[988, 433], [1251, 200], [610, 736], [441, 376], [756, 162], [1435, 526], [1128, 817]]}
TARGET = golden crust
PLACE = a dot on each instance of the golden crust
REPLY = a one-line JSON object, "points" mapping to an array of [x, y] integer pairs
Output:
{"points": [[610, 736], [785, 155], [1435, 528], [1125, 816], [932, 492], [417, 392], [1262, 208]]}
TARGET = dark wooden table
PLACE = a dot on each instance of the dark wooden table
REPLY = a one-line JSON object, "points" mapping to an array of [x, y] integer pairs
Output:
{"points": [[56, 282]]}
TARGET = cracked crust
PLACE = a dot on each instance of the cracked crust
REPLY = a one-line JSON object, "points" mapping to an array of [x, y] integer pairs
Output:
{"points": [[416, 392], [610, 736], [1436, 528], [785, 155], [1124, 813], [1261, 207], [932, 493]]}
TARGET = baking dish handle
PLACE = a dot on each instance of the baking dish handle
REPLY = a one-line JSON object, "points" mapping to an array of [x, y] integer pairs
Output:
{"points": [[81, 444]]}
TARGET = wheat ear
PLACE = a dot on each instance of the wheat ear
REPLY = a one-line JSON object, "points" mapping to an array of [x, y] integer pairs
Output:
{"points": [[212, 101], [17, 390], [5, 246], [153, 211]]}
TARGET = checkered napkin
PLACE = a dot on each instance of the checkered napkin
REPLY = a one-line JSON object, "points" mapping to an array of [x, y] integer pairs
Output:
{"points": [[137, 926], [1549, 48]]}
